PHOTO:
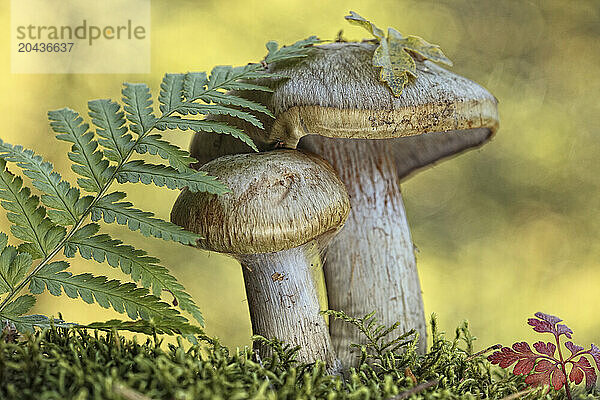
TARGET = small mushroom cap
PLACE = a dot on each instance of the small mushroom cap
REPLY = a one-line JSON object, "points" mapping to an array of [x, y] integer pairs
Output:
{"points": [[278, 200]]}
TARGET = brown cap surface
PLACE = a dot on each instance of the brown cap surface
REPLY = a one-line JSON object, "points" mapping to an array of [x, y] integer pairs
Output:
{"points": [[278, 200], [336, 92]]}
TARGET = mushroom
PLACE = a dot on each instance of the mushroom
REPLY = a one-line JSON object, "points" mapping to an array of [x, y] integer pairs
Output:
{"points": [[282, 209], [333, 104]]}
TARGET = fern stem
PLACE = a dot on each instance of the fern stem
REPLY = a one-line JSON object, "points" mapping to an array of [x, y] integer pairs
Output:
{"points": [[6, 282], [81, 220]]}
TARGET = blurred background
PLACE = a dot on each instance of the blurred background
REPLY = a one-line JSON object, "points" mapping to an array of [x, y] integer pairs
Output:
{"points": [[502, 232]]}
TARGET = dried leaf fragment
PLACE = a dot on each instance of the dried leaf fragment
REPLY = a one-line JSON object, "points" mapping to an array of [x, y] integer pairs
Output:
{"points": [[396, 54]]}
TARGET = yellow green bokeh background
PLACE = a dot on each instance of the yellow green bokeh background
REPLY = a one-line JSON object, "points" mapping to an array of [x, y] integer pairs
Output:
{"points": [[502, 232]]}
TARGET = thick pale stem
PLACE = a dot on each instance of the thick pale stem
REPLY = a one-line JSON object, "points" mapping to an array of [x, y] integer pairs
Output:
{"points": [[370, 264], [284, 302]]}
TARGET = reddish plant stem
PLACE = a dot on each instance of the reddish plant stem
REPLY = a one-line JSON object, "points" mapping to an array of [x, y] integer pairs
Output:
{"points": [[564, 369]]}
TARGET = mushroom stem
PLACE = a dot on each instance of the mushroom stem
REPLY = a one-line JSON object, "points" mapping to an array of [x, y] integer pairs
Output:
{"points": [[284, 302], [370, 264]]}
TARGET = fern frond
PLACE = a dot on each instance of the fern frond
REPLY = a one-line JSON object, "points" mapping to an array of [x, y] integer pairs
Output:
{"points": [[66, 205], [43, 230], [122, 297], [296, 50], [13, 313], [89, 161], [204, 126], [102, 248], [133, 262], [13, 265], [138, 106], [110, 120], [225, 77], [216, 109], [177, 158], [27, 323], [171, 92], [232, 100], [29, 218], [197, 181], [111, 209], [194, 85], [145, 327]]}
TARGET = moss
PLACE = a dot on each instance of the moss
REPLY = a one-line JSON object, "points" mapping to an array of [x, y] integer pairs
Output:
{"points": [[77, 364]]}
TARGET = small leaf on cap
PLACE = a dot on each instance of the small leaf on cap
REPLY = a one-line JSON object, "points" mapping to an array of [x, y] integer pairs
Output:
{"points": [[356, 19], [395, 53], [418, 45]]}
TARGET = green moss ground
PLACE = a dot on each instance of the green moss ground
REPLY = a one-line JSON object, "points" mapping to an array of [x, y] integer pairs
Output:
{"points": [[77, 364]]}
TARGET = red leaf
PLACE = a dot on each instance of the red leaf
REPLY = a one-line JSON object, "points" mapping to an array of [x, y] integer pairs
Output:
{"points": [[547, 373], [581, 367], [562, 329], [523, 348], [538, 379], [504, 358], [573, 348], [548, 323], [520, 352], [576, 375], [545, 348], [524, 366], [558, 378], [548, 318], [543, 366], [541, 326]]}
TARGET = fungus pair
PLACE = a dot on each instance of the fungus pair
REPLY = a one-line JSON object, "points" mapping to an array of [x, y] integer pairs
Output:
{"points": [[334, 105]]}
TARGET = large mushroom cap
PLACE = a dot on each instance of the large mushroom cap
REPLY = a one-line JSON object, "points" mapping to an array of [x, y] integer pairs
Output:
{"points": [[336, 92], [277, 200]]}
